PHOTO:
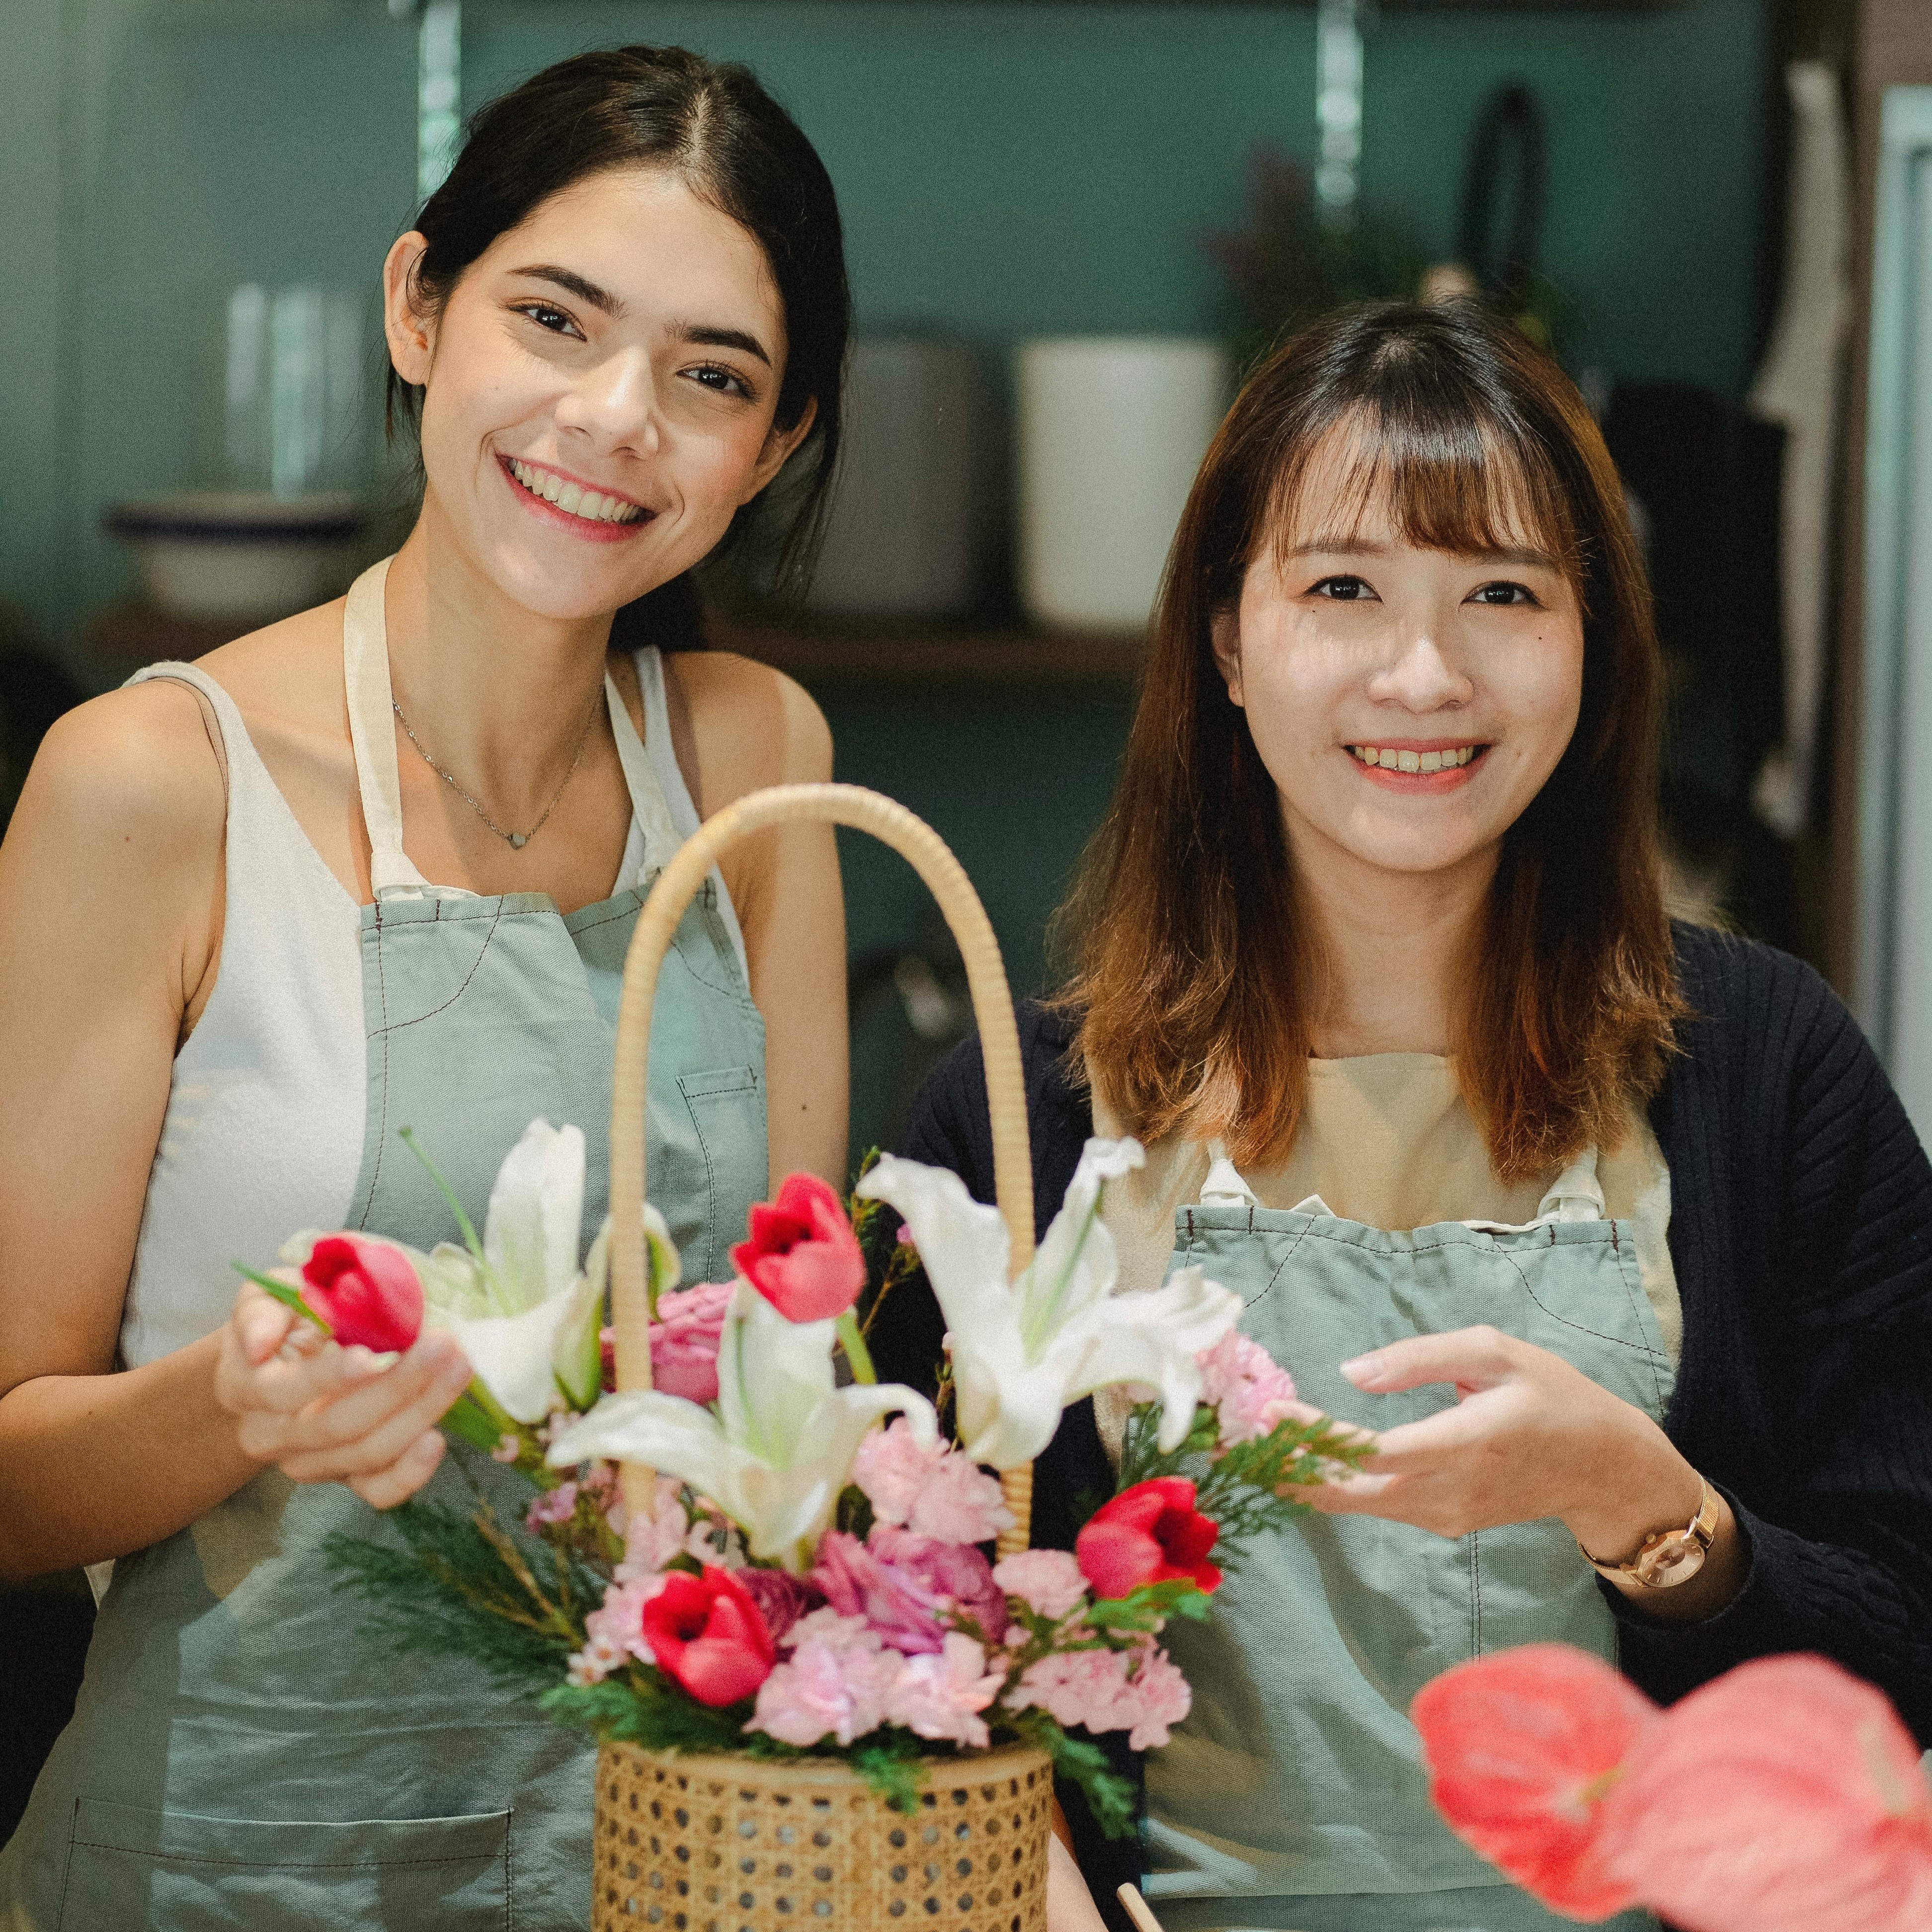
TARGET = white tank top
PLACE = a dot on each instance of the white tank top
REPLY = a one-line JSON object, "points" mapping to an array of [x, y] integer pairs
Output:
{"points": [[263, 1131]]}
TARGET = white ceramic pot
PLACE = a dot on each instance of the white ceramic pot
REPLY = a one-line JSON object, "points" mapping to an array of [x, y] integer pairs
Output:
{"points": [[227, 555], [1112, 430]]}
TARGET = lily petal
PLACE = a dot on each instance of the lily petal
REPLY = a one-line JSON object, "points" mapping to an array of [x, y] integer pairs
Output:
{"points": [[536, 1218]]}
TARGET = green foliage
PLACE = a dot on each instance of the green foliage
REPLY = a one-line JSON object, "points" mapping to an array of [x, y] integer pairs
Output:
{"points": [[1241, 1487], [1110, 1797], [893, 1763], [1148, 1606], [644, 1706]]}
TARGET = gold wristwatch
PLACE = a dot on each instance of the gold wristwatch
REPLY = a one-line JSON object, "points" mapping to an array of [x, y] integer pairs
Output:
{"points": [[1667, 1557]]}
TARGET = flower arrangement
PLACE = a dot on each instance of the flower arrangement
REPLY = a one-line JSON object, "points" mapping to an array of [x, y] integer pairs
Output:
{"points": [[810, 1575], [1784, 1796]]}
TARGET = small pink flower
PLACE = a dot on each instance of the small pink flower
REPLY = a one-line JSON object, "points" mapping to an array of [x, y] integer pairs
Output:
{"points": [[892, 1467], [648, 1545], [508, 1449], [941, 1695], [1049, 1581], [616, 1628], [1251, 1391], [685, 1339], [826, 1689], [557, 1505], [1156, 1696]]}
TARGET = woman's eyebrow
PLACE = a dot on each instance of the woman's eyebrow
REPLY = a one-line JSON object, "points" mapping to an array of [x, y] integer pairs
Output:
{"points": [[704, 335], [1340, 546], [585, 290]]}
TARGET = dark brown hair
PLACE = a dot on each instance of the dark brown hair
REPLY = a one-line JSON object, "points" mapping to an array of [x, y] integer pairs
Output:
{"points": [[714, 126], [1195, 979]]}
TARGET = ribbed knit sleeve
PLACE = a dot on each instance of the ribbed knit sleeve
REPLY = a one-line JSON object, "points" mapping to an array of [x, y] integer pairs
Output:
{"points": [[1801, 1231]]}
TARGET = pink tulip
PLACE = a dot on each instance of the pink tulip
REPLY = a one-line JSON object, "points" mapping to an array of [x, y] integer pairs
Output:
{"points": [[365, 1291], [1524, 1749], [1785, 1796], [803, 1257], [706, 1632], [1150, 1534]]}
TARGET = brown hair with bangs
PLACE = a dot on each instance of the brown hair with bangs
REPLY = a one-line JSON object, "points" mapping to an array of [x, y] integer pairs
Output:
{"points": [[1196, 980]]}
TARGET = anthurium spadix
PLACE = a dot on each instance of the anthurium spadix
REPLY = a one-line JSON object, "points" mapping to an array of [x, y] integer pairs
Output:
{"points": [[777, 1448], [526, 1315], [1022, 1350]]}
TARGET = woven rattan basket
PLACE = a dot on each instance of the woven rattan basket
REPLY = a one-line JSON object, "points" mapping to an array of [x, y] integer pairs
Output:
{"points": [[705, 1844]]}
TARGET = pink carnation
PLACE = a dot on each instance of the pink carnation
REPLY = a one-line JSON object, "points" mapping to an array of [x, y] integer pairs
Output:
{"points": [[1093, 1689], [934, 1491], [615, 1629], [1049, 1581], [824, 1688], [941, 1695], [1251, 1392], [685, 1339]]}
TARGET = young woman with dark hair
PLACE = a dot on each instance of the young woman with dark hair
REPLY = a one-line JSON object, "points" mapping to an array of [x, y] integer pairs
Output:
{"points": [[1611, 1229], [374, 867]]}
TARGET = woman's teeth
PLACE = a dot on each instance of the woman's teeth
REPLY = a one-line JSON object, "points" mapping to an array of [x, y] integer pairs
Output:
{"points": [[1414, 761], [591, 505]]}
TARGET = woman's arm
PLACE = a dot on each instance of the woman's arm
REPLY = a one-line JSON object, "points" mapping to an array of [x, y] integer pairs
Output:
{"points": [[750, 727], [111, 899]]}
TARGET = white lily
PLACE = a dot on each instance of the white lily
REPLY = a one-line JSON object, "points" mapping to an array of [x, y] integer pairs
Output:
{"points": [[778, 1448], [1022, 1351], [522, 1311]]}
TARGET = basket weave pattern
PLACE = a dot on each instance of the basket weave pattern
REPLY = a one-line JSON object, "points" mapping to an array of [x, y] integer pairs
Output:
{"points": [[693, 1844]]}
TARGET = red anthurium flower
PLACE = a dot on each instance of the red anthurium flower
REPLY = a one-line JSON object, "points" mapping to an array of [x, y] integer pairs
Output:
{"points": [[1526, 1751], [366, 1291], [707, 1633], [803, 1257], [1150, 1534], [1784, 1796]]}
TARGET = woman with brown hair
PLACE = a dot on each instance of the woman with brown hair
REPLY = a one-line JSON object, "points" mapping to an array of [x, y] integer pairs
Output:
{"points": [[1612, 1230]]}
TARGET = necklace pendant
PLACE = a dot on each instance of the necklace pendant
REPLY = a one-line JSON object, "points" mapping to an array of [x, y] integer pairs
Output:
{"points": [[518, 840]]}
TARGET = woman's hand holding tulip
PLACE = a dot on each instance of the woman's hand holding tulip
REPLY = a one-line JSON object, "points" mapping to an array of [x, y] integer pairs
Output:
{"points": [[1530, 1437], [322, 1412]]}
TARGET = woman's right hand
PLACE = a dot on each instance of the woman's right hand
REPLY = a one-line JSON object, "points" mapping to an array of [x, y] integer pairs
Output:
{"points": [[322, 1413]]}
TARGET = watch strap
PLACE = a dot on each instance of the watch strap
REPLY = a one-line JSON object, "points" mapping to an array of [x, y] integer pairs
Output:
{"points": [[1667, 1557]]}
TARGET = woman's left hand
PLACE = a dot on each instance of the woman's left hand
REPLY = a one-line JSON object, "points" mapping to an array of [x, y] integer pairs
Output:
{"points": [[1530, 1438]]}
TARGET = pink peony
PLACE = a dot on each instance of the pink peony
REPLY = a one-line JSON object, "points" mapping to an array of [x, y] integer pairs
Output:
{"points": [[905, 1585], [826, 1689], [365, 1291], [954, 1575], [941, 1695], [782, 1599], [803, 1255], [1250, 1391], [1049, 1581], [684, 1338]]}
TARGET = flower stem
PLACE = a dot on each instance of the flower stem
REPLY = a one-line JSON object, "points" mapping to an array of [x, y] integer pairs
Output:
{"points": [[407, 1136], [857, 1353], [289, 1298]]}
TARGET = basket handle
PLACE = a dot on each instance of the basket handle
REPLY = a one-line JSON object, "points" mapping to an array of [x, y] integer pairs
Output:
{"points": [[677, 885]]}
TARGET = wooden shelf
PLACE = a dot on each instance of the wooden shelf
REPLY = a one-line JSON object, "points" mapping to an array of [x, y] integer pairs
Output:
{"points": [[823, 653], [125, 635]]}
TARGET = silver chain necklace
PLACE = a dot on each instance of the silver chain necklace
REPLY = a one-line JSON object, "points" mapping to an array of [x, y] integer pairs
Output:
{"points": [[516, 841]]}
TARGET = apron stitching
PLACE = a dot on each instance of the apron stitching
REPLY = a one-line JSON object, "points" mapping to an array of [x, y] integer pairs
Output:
{"points": [[1276, 1276], [1636, 1313], [1582, 1328], [400, 1025], [1476, 1592], [710, 1183], [509, 1871], [279, 1864], [67, 1870]]}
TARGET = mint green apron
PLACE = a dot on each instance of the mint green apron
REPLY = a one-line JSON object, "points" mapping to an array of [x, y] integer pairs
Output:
{"points": [[1293, 1796], [241, 1757]]}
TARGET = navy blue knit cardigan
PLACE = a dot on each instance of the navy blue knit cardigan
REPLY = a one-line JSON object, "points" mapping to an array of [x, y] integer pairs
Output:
{"points": [[1801, 1232]]}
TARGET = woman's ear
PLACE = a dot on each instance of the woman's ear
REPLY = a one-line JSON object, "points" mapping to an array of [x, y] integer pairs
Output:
{"points": [[412, 344], [779, 447], [1224, 632]]}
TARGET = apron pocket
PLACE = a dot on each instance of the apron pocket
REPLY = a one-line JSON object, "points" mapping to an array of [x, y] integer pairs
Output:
{"points": [[171, 1871], [727, 1111]]}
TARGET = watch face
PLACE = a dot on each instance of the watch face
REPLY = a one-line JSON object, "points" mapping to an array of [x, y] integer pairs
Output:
{"points": [[1673, 1558]]}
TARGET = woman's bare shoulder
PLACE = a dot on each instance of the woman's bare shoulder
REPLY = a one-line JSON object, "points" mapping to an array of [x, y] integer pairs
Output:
{"points": [[288, 672], [752, 724]]}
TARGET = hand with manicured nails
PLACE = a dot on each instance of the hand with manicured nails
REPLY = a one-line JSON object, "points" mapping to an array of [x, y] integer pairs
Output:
{"points": [[1530, 1438], [323, 1413]]}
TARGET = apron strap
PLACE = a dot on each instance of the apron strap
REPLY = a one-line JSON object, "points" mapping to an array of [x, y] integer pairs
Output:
{"points": [[1224, 1186], [365, 669], [1575, 1194]]}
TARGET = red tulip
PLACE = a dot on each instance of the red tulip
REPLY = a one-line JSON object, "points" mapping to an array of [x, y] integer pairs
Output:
{"points": [[803, 1257], [1150, 1534], [1785, 1796], [366, 1291], [707, 1633], [1525, 1750]]}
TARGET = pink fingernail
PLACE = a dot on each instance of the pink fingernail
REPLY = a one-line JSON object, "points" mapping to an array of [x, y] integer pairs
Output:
{"points": [[1363, 1369]]}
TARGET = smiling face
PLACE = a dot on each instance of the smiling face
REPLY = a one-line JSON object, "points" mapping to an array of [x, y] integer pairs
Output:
{"points": [[599, 390], [1409, 703]]}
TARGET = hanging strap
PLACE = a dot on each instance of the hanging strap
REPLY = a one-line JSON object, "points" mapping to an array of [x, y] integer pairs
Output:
{"points": [[372, 731]]}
